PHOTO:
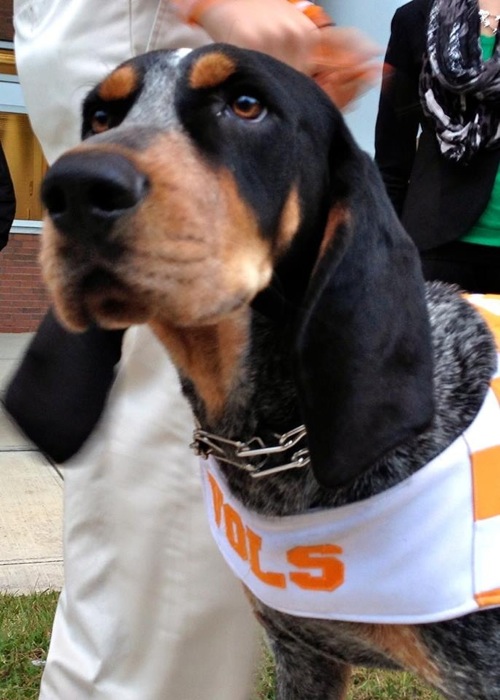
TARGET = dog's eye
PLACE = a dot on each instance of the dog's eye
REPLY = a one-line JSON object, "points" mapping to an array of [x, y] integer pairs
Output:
{"points": [[100, 121], [247, 107]]}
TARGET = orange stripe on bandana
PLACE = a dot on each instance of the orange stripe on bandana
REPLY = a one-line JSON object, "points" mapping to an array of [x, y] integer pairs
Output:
{"points": [[486, 479], [492, 320], [488, 598], [495, 385]]}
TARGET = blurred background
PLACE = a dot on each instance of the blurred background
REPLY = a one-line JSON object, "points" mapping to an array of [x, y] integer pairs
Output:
{"points": [[374, 18]]}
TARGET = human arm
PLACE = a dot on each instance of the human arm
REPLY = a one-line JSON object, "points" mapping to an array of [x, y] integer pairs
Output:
{"points": [[339, 59], [7, 200], [399, 111]]}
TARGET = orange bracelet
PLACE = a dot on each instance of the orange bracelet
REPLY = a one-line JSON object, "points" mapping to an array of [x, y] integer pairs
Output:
{"points": [[191, 10], [315, 13]]}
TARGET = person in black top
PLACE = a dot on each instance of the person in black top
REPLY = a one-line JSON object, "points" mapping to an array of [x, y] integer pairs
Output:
{"points": [[436, 138], [7, 200]]}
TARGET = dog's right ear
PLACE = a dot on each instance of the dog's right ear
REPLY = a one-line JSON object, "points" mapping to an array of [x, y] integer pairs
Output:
{"points": [[364, 356], [59, 390]]}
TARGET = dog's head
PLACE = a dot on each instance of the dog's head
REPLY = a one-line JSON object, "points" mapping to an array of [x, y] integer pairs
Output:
{"points": [[185, 191], [204, 176]]}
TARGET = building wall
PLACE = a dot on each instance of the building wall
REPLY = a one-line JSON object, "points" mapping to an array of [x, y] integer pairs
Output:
{"points": [[23, 298], [6, 29]]}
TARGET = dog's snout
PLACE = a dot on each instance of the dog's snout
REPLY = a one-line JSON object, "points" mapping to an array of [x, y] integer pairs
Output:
{"points": [[86, 193]]}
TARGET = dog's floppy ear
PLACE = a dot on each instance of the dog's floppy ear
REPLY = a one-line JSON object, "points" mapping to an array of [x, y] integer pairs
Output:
{"points": [[363, 354]]}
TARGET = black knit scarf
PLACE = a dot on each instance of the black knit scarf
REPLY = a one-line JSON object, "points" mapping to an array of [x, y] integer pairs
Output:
{"points": [[460, 93]]}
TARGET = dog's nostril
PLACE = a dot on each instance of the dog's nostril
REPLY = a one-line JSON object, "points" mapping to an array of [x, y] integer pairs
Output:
{"points": [[55, 201], [111, 196]]}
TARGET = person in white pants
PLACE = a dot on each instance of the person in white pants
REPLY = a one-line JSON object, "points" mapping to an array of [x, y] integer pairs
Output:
{"points": [[148, 610]]}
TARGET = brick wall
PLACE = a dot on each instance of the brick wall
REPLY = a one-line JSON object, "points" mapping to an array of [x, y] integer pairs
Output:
{"points": [[23, 298], [6, 29]]}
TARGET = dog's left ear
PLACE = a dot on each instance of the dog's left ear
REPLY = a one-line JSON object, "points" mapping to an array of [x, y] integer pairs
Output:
{"points": [[363, 355]]}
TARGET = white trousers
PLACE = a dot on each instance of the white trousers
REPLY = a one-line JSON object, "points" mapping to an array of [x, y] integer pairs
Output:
{"points": [[149, 611]]}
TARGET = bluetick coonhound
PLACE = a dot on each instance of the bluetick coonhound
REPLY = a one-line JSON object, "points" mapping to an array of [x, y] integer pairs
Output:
{"points": [[219, 197]]}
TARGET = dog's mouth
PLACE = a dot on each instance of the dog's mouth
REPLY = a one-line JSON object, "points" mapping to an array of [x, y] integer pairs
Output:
{"points": [[109, 302], [100, 297], [118, 298]]}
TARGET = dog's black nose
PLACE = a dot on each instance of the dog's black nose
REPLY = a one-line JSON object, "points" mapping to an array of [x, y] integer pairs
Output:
{"points": [[86, 192]]}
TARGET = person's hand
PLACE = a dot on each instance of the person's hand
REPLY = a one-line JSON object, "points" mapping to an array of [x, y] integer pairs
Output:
{"points": [[275, 27], [341, 60]]}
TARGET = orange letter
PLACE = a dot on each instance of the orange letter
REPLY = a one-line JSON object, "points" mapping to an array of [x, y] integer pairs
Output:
{"points": [[235, 531], [218, 499], [269, 577], [317, 557]]}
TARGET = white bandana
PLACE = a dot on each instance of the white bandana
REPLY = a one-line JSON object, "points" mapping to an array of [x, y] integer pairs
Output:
{"points": [[423, 551]]}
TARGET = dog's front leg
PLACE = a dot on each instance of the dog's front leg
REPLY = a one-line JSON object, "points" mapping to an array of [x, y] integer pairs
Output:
{"points": [[304, 673], [305, 666]]}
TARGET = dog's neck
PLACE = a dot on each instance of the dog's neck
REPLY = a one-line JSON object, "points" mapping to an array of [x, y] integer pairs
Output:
{"points": [[252, 393], [211, 356]]}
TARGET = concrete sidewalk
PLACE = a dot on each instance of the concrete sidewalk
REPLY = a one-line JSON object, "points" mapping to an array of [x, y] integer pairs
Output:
{"points": [[30, 499]]}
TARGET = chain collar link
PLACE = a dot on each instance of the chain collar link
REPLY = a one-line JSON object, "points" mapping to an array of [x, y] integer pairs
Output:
{"points": [[252, 456]]}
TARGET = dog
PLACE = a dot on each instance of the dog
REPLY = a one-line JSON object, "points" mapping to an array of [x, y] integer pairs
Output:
{"points": [[218, 196]]}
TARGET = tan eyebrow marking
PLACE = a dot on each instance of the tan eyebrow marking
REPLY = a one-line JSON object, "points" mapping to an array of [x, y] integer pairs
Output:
{"points": [[211, 70], [120, 84]]}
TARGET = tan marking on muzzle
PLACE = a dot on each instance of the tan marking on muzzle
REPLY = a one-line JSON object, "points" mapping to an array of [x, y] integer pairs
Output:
{"points": [[54, 276], [211, 70], [195, 239], [120, 84]]}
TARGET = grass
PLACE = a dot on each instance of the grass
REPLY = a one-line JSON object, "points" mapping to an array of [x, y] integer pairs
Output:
{"points": [[25, 623], [384, 685]]}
